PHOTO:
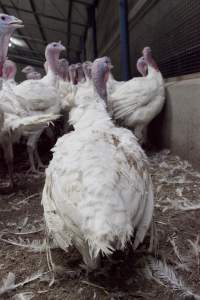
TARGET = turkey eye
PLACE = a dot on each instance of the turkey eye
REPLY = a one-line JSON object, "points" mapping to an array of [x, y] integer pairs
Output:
{"points": [[3, 18], [54, 45]]}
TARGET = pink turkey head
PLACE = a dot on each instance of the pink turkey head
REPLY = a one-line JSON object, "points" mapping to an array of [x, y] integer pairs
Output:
{"points": [[108, 62], [72, 73], [7, 26], [9, 23], [87, 69], [63, 68], [142, 66], [9, 69], [28, 69], [52, 54], [147, 53], [33, 75], [54, 49], [100, 73], [80, 73]]}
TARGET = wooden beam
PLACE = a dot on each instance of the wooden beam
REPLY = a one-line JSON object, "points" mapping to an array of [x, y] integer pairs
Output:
{"points": [[51, 29], [6, 12], [44, 15], [82, 2], [32, 4]]}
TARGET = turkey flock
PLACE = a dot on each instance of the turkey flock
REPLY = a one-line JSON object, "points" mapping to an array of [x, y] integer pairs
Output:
{"points": [[98, 194]]}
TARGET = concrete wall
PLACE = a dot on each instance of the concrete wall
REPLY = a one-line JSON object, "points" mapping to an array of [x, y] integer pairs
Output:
{"points": [[178, 125]]}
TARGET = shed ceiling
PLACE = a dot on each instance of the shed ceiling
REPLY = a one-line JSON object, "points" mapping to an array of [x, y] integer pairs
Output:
{"points": [[47, 21]]}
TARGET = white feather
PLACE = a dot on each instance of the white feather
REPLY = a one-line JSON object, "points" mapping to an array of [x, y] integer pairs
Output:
{"points": [[97, 190]]}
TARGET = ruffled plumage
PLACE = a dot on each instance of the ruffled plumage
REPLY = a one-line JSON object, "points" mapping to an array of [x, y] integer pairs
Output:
{"points": [[98, 191]]}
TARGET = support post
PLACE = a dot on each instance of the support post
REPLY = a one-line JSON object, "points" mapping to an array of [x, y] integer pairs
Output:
{"points": [[124, 40]]}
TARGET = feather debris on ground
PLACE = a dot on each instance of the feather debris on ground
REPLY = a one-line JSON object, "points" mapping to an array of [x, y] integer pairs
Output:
{"points": [[164, 275], [8, 283], [177, 188], [33, 246], [23, 296]]}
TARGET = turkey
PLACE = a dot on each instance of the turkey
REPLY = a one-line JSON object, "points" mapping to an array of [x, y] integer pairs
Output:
{"points": [[112, 84], [102, 215], [64, 83], [65, 90], [41, 97], [83, 82], [34, 75], [9, 73], [28, 69], [8, 103], [8, 24], [139, 100], [31, 73], [87, 69], [15, 123], [73, 77], [80, 73]]}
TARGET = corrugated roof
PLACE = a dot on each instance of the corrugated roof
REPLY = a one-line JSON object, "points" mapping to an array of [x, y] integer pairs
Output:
{"points": [[46, 21]]}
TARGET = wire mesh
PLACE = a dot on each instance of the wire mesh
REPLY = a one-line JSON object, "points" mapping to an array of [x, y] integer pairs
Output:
{"points": [[172, 29]]}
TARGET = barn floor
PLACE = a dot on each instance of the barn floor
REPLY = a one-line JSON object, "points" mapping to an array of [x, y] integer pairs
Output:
{"points": [[174, 273]]}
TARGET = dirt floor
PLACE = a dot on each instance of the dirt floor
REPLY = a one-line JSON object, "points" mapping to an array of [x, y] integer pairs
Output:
{"points": [[171, 272]]}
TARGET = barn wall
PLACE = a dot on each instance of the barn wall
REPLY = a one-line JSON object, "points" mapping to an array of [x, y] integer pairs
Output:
{"points": [[170, 28], [108, 34], [177, 127]]}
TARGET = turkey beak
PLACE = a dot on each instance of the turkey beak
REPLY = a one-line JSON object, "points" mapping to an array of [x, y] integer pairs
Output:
{"points": [[110, 66], [16, 23], [62, 48]]}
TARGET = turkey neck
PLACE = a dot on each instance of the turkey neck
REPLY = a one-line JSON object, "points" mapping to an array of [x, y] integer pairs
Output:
{"points": [[152, 72], [4, 42], [81, 76], [100, 87], [91, 117], [52, 60]]}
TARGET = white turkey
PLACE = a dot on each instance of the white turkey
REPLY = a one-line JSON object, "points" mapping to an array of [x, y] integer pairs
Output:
{"points": [[80, 74], [31, 73], [34, 75], [73, 77], [87, 69], [8, 24], [140, 99], [28, 69], [15, 123], [64, 82], [98, 192], [112, 84], [11, 124], [41, 97], [9, 73]]}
